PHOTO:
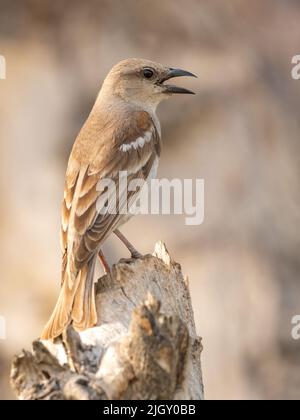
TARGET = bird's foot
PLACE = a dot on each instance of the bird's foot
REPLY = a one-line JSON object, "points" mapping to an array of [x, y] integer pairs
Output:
{"points": [[104, 263], [136, 255]]}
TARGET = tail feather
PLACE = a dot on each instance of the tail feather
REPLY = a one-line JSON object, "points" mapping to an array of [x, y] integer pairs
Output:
{"points": [[76, 303], [84, 313]]}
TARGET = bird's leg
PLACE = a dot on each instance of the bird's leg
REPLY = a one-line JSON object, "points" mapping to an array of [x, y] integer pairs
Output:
{"points": [[134, 253], [104, 262]]}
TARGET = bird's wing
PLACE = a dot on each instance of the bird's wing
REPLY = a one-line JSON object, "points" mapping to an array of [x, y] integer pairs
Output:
{"points": [[132, 146]]}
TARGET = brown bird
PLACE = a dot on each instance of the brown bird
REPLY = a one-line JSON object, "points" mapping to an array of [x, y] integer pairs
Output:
{"points": [[122, 133]]}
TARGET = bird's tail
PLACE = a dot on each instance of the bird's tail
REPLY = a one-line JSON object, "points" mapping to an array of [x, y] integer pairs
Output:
{"points": [[75, 304]]}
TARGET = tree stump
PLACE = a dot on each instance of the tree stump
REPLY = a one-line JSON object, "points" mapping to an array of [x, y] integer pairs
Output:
{"points": [[145, 346]]}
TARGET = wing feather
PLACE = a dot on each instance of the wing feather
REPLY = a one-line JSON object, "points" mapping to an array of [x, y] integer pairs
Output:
{"points": [[84, 226]]}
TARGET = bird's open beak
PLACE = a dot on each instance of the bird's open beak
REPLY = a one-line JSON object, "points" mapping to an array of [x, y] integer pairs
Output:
{"points": [[171, 73]]}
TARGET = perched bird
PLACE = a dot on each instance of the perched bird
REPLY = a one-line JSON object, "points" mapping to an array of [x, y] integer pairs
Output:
{"points": [[122, 133]]}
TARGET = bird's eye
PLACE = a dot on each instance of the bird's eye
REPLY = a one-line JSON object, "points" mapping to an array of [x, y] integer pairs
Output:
{"points": [[148, 73]]}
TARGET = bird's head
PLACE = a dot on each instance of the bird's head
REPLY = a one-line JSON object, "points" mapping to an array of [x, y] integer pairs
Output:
{"points": [[143, 82]]}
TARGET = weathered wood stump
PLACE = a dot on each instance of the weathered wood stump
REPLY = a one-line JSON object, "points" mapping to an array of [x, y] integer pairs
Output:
{"points": [[144, 347]]}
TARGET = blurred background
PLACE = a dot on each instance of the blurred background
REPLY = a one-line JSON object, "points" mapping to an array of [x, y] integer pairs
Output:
{"points": [[240, 133]]}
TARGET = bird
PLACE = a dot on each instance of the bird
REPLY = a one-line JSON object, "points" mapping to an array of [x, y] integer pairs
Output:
{"points": [[121, 133]]}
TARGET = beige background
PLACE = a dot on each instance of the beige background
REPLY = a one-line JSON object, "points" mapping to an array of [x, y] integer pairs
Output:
{"points": [[240, 133]]}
